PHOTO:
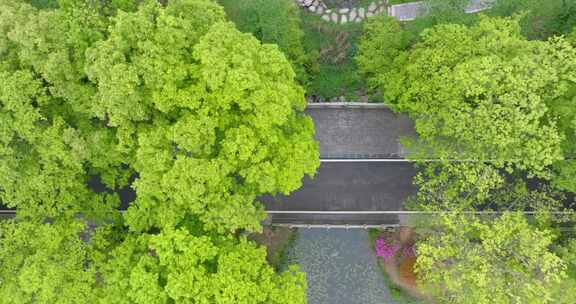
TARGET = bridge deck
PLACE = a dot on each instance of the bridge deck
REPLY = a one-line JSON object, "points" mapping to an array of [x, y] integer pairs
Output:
{"points": [[356, 186], [372, 132]]}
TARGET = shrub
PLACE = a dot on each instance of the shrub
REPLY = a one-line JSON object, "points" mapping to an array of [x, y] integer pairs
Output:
{"points": [[386, 248], [383, 40]]}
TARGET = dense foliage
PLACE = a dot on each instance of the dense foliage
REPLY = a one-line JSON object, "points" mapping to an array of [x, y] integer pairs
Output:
{"points": [[383, 40], [177, 266], [273, 21], [497, 106], [207, 119], [484, 97], [542, 19], [504, 260], [44, 263], [500, 255], [216, 125]]}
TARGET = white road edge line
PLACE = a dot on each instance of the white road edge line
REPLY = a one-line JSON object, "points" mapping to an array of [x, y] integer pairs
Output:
{"points": [[335, 226], [363, 160], [404, 212], [399, 160]]}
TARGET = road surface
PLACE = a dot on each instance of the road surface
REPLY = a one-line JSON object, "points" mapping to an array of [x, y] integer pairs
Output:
{"points": [[368, 132], [349, 186]]}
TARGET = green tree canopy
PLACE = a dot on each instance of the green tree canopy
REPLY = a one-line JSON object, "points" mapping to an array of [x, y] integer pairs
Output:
{"points": [[48, 143], [176, 266], [495, 107], [465, 259], [474, 248], [208, 118], [215, 114], [64, 261], [44, 263]]}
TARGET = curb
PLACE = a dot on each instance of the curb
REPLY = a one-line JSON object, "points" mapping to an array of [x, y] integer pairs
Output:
{"points": [[346, 105]]}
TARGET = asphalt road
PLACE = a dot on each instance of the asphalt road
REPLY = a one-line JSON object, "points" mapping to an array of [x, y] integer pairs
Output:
{"points": [[373, 132], [348, 186]]}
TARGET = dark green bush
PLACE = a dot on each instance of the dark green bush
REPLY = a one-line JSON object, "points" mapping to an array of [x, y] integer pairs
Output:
{"points": [[543, 18]]}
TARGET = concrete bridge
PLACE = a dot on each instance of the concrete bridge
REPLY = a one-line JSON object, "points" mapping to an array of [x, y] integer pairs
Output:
{"points": [[363, 179]]}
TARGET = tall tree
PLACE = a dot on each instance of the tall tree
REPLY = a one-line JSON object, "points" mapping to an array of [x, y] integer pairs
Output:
{"points": [[48, 142], [176, 266], [208, 117], [132, 104], [495, 108], [465, 259], [216, 115]]}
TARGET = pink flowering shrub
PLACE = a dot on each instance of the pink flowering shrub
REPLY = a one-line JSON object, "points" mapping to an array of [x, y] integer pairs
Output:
{"points": [[386, 249]]}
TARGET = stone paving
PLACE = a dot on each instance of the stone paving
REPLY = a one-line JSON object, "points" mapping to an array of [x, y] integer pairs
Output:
{"points": [[344, 15], [340, 266], [403, 12]]}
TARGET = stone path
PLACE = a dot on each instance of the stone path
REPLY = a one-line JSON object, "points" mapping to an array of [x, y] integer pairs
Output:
{"points": [[402, 12], [343, 15], [340, 266]]}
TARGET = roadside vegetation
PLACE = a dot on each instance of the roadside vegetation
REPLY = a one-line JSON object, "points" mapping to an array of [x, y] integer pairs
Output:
{"points": [[395, 259], [277, 240], [207, 119], [322, 53], [492, 97]]}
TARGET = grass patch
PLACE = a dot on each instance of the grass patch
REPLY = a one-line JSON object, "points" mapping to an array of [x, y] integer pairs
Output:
{"points": [[335, 45], [393, 2], [5, 217], [397, 293], [343, 3]]}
